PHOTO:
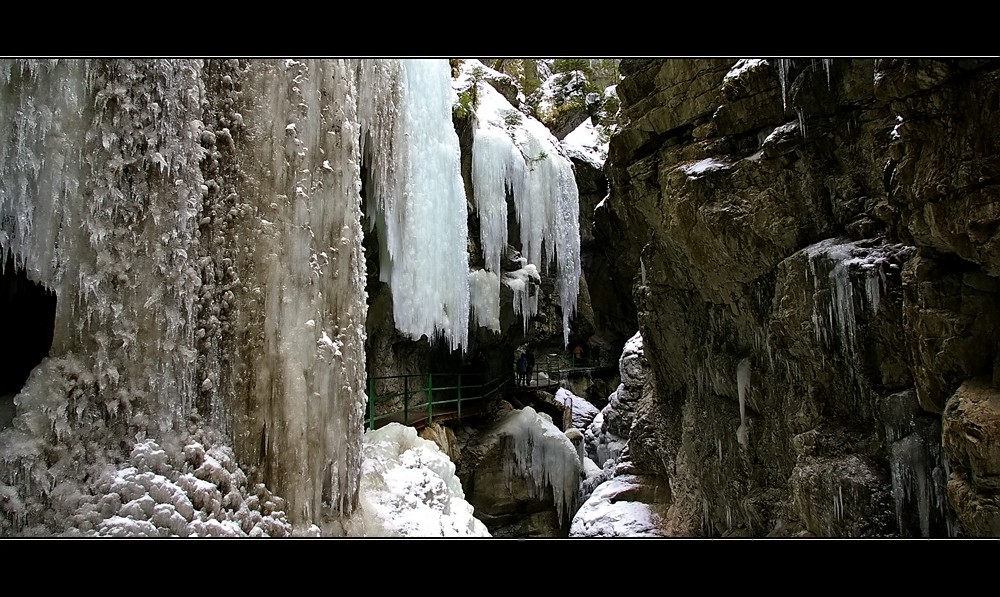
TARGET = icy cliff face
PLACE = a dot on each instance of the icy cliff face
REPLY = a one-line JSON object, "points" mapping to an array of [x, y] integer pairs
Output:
{"points": [[199, 223], [821, 281]]}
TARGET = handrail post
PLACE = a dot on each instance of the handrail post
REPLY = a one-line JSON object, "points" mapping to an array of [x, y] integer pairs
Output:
{"points": [[459, 395], [406, 400], [430, 398], [371, 403]]}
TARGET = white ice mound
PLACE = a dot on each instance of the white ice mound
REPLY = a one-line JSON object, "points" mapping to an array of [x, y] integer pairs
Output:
{"points": [[409, 489], [544, 453]]}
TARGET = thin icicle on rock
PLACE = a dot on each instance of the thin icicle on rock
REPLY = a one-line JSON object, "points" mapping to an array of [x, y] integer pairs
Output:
{"points": [[497, 169], [742, 387], [856, 276]]}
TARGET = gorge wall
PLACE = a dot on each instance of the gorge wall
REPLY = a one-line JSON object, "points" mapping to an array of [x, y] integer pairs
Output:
{"points": [[814, 251]]}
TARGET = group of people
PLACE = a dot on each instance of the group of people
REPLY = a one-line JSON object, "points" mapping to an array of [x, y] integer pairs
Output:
{"points": [[525, 364]]}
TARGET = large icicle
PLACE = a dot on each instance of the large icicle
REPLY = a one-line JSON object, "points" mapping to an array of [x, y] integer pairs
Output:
{"points": [[497, 168], [546, 455], [419, 196], [742, 386]]}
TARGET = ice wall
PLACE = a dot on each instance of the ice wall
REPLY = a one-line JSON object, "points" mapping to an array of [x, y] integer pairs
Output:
{"points": [[304, 283], [199, 222], [100, 188]]}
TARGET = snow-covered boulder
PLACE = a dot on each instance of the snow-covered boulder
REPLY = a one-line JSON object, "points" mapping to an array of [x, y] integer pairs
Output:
{"points": [[409, 489], [614, 510]]}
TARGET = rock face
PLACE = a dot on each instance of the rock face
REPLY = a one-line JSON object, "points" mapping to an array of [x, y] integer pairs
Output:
{"points": [[815, 250], [607, 434]]}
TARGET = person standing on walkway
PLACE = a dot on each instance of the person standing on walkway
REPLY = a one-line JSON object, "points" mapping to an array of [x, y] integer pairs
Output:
{"points": [[530, 356], [522, 370]]}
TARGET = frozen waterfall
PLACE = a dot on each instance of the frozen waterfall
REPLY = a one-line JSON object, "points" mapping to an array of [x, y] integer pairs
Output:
{"points": [[418, 197], [199, 222]]}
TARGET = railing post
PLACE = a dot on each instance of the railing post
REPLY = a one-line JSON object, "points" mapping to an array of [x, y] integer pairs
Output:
{"points": [[371, 403], [430, 398], [459, 396], [406, 400]]}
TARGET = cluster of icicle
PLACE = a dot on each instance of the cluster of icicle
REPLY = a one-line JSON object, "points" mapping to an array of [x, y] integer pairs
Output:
{"points": [[545, 455], [516, 155]]}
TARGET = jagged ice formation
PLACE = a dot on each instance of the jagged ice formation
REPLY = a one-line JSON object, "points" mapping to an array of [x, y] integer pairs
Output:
{"points": [[199, 222], [546, 456]]}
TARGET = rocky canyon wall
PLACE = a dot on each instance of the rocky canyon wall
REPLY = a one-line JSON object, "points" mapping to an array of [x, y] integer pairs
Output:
{"points": [[814, 251]]}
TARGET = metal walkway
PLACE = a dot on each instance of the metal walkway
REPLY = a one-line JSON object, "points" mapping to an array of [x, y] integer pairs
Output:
{"points": [[421, 399]]}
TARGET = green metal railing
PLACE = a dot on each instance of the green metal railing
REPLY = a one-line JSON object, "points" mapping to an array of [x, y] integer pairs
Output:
{"points": [[413, 399], [558, 366]]}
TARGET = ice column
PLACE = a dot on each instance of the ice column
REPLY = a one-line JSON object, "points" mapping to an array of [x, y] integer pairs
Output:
{"points": [[497, 168], [304, 418]]}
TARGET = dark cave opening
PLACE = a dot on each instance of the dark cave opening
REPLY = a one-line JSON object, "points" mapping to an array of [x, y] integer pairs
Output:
{"points": [[27, 312]]}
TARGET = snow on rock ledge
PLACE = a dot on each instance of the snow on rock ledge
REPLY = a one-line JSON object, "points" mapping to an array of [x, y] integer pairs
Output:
{"points": [[609, 513], [632, 364]]}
